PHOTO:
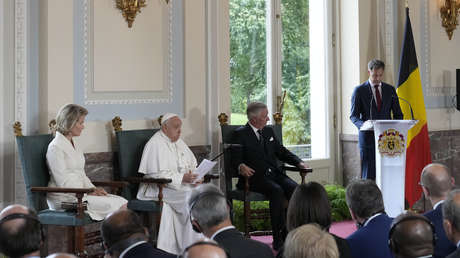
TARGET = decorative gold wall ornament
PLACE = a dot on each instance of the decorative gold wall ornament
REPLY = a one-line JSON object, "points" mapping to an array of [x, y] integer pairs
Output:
{"points": [[449, 12], [130, 8]]}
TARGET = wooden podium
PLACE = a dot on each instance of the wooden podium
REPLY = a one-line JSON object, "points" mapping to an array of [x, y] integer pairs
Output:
{"points": [[390, 160]]}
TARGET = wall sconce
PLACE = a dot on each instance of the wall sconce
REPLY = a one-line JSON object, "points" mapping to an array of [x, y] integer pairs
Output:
{"points": [[130, 8], [449, 12]]}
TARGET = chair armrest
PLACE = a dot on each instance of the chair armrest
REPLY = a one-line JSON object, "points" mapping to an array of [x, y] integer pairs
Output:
{"points": [[209, 177], [112, 184], [61, 190], [137, 180], [296, 169]]}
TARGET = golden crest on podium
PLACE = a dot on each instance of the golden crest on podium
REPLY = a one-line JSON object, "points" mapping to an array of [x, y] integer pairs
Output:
{"points": [[391, 143]]}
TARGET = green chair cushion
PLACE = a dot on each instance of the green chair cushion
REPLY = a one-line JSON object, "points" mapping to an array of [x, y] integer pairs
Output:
{"points": [[148, 206], [63, 218], [252, 196]]}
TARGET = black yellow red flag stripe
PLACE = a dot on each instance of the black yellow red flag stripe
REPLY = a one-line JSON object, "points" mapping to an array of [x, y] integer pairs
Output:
{"points": [[410, 88]]}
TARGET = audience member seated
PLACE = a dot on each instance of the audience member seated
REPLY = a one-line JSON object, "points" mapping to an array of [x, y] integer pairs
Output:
{"points": [[167, 156], [61, 255], [257, 160], [451, 215], [205, 248], [309, 241], [309, 204], [412, 235], [20, 232], [66, 163], [209, 214], [125, 237], [436, 182], [365, 203]]}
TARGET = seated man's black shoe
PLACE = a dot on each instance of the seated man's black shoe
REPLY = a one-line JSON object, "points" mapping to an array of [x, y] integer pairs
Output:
{"points": [[277, 244]]}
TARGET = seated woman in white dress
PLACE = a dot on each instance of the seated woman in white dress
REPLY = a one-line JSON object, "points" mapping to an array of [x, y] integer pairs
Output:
{"points": [[66, 164]]}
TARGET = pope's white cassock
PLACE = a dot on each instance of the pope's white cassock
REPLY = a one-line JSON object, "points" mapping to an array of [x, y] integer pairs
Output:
{"points": [[163, 158]]}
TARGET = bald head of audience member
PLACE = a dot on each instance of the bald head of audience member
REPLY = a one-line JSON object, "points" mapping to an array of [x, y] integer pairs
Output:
{"points": [[451, 216], [120, 230], [61, 255], [411, 235], [436, 181], [309, 241], [205, 248], [20, 232]]}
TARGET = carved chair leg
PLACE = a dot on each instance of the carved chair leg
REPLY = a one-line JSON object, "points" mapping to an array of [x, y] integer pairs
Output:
{"points": [[247, 218], [44, 247], [71, 240], [80, 242]]}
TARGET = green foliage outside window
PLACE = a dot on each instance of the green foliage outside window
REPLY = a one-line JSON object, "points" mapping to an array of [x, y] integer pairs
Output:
{"points": [[248, 62]]}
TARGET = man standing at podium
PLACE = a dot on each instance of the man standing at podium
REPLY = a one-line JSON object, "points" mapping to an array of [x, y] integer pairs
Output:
{"points": [[372, 100]]}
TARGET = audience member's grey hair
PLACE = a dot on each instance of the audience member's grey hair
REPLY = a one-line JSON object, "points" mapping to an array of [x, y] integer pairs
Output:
{"points": [[309, 241], [209, 206], [364, 198], [68, 116], [438, 185], [254, 109], [375, 64], [451, 209]]}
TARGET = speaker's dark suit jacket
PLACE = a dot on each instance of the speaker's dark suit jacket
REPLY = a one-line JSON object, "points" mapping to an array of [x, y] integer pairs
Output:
{"points": [[261, 158], [239, 247], [146, 250], [372, 239], [364, 107], [455, 254], [443, 246]]}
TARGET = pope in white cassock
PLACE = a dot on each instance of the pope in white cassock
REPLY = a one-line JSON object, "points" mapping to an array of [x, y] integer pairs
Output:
{"points": [[167, 156]]}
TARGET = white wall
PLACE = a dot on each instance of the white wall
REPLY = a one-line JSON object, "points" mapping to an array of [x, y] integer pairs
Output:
{"points": [[57, 82]]}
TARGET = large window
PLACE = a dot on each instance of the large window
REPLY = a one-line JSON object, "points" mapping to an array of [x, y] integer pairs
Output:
{"points": [[269, 55]]}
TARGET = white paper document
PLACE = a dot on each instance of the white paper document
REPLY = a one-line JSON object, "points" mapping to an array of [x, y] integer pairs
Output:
{"points": [[367, 126], [204, 167]]}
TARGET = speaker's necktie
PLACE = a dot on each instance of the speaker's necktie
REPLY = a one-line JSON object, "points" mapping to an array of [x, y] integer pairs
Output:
{"points": [[378, 97]]}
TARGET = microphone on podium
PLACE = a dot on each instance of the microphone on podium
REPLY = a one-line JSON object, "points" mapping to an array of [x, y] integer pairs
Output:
{"points": [[410, 106]]}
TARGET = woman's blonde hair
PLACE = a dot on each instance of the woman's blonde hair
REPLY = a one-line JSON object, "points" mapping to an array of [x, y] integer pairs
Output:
{"points": [[68, 116], [310, 241]]}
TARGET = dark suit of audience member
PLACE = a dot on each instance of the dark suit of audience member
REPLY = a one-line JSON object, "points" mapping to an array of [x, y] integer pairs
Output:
{"points": [[451, 216], [365, 202], [125, 237], [436, 181], [210, 215], [411, 235], [258, 159], [237, 246], [366, 104], [309, 204], [20, 232]]}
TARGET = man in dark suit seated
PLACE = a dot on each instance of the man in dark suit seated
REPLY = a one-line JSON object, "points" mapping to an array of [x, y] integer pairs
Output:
{"points": [[125, 237], [365, 203], [210, 215], [412, 235], [257, 159], [372, 100], [451, 215], [20, 232], [437, 182]]}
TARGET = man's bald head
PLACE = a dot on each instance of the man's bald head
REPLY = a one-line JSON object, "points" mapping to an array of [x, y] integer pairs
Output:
{"points": [[411, 235], [437, 180], [20, 231], [205, 249]]}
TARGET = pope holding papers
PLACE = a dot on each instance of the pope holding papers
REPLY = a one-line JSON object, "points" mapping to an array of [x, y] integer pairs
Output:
{"points": [[167, 156]]}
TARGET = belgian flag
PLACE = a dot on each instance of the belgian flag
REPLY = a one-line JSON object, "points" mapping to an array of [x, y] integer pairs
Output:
{"points": [[410, 88]]}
